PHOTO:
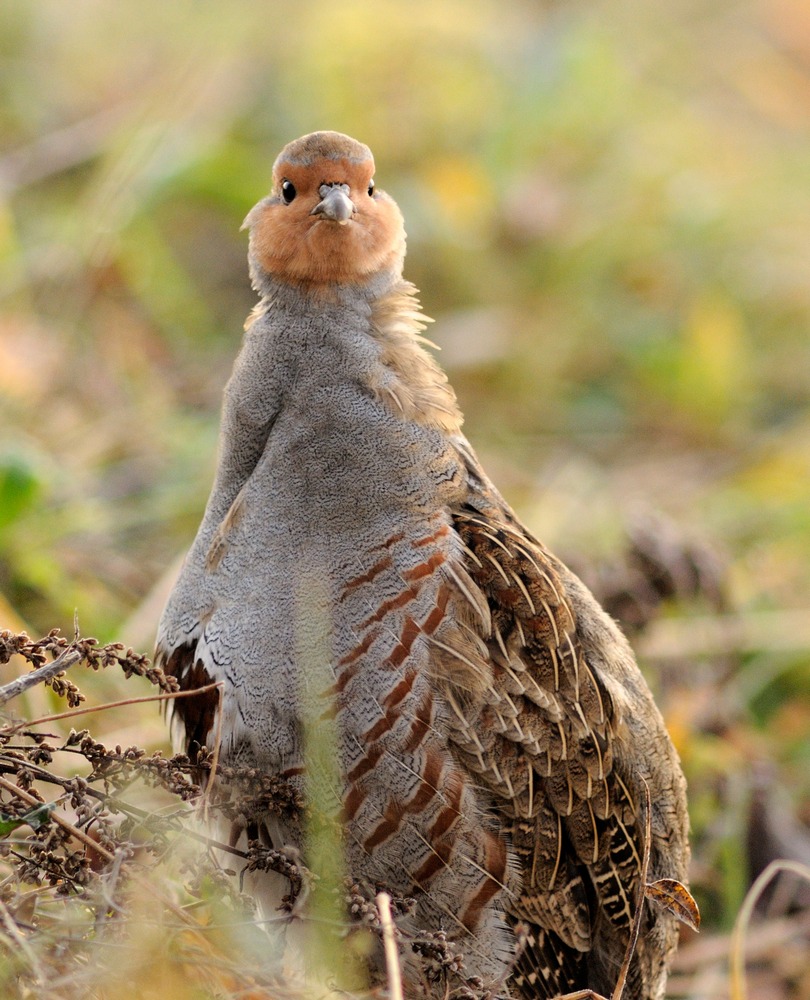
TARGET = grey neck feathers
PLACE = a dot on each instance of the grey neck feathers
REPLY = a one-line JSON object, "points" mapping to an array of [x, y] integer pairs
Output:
{"points": [[272, 289], [412, 384]]}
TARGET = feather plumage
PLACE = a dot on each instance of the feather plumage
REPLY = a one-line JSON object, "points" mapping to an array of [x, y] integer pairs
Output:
{"points": [[494, 734]]}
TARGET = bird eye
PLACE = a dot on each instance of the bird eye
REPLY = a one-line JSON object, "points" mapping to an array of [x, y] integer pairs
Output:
{"points": [[287, 192], [370, 188]]}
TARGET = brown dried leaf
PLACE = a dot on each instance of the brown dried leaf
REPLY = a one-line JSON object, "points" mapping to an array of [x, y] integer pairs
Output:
{"points": [[675, 897]]}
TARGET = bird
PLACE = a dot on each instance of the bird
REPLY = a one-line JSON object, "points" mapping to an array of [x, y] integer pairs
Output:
{"points": [[494, 738]]}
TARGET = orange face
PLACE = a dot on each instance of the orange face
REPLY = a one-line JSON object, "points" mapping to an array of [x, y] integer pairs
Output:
{"points": [[324, 223]]}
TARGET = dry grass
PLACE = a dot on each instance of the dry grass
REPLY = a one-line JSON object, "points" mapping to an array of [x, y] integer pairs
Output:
{"points": [[106, 879]]}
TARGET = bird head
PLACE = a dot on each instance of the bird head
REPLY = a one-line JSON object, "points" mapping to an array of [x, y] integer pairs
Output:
{"points": [[324, 223]]}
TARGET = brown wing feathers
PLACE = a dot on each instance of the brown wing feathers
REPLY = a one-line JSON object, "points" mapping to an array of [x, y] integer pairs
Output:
{"points": [[567, 810]]}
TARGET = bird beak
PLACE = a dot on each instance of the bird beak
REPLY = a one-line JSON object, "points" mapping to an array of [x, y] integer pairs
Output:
{"points": [[335, 203]]}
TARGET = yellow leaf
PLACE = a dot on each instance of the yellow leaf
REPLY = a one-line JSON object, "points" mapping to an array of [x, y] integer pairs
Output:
{"points": [[676, 898]]}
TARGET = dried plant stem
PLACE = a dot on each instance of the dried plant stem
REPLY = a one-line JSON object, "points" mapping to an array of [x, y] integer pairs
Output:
{"points": [[191, 925], [60, 820], [390, 945], [738, 988], [41, 774], [111, 704], [199, 933], [14, 688]]}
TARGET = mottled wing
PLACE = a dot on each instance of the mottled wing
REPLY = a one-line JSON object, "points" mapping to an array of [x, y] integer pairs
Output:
{"points": [[552, 745]]}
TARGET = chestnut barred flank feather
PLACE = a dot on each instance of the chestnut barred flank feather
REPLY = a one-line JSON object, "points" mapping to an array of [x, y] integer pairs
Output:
{"points": [[493, 735]]}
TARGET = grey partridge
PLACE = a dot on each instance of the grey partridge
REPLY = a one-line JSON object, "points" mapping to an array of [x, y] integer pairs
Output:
{"points": [[494, 734]]}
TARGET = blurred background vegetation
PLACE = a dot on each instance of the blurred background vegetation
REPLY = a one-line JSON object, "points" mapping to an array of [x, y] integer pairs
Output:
{"points": [[608, 211]]}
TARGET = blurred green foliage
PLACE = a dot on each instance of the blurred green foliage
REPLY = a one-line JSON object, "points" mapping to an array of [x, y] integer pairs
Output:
{"points": [[608, 209]]}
